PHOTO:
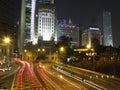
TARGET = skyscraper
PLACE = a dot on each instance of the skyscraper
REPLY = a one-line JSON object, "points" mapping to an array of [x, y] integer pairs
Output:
{"points": [[105, 25], [45, 19], [26, 22], [37, 20]]}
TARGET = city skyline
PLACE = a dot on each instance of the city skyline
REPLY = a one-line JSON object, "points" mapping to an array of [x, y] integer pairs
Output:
{"points": [[86, 12]]}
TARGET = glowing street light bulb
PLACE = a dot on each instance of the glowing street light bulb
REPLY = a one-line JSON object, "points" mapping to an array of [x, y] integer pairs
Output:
{"points": [[7, 40], [43, 49], [25, 50], [38, 50], [88, 46], [62, 49]]}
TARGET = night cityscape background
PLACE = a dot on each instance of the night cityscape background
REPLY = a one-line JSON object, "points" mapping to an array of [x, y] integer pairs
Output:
{"points": [[80, 12], [85, 12], [59, 44]]}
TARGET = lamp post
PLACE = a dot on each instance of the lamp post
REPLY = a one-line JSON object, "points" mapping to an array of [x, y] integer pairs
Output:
{"points": [[62, 53], [93, 59], [25, 51], [92, 54], [88, 46], [7, 43], [62, 49], [41, 53]]}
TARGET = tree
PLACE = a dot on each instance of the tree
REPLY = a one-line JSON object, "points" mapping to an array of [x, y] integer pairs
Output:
{"points": [[65, 42]]}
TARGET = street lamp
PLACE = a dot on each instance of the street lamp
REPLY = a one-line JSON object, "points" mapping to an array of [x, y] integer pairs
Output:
{"points": [[92, 54], [62, 49], [62, 53], [43, 50], [88, 46], [38, 50], [7, 41], [25, 51]]}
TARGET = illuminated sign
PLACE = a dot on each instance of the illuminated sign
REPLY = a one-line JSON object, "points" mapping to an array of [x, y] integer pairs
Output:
{"points": [[94, 28]]}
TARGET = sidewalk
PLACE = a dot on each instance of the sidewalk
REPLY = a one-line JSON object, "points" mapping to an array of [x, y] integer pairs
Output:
{"points": [[14, 68]]}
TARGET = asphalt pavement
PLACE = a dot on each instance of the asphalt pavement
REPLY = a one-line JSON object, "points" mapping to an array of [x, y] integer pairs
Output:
{"points": [[14, 67], [7, 75]]}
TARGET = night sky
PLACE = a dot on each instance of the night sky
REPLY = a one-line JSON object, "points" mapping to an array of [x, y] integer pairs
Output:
{"points": [[84, 12]]}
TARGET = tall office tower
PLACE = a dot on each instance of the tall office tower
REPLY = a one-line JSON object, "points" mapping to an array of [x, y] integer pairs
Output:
{"points": [[37, 20], [26, 33], [104, 23], [45, 20]]}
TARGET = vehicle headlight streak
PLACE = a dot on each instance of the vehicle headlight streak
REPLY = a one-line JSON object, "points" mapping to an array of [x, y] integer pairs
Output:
{"points": [[96, 86], [25, 73]]}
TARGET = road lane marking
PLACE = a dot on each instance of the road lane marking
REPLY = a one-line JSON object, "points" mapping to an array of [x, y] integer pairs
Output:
{"points": [[13, 82]]}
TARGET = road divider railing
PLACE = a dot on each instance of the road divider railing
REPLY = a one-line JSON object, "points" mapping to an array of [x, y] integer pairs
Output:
{"points": [[85, 81]]}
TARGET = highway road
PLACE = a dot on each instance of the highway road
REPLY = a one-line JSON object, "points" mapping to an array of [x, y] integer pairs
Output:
{"points": [[49, 76], [42, 76], [56, 80], [6, 77], [25, 78], [93, 79]]}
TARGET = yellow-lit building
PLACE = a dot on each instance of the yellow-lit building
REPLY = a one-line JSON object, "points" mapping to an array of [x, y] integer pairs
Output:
{"points": [[90, 36]]}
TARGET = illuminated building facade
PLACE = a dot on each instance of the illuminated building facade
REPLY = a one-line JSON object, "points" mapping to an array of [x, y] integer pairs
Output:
{"points": [[105, 25], [90, 35], [26, 23], [37, 20], [68, 30], [45, 20]]}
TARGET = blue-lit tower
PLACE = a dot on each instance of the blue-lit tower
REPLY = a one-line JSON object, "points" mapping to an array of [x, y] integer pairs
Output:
{"points": [[106, 28]]}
